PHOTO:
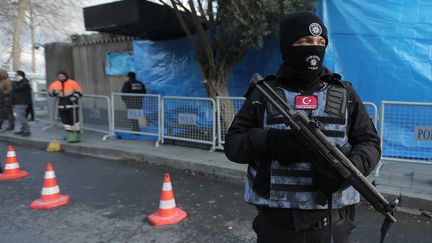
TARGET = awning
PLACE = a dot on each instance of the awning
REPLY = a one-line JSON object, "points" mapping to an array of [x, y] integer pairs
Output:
{"points": [[137, 18]]}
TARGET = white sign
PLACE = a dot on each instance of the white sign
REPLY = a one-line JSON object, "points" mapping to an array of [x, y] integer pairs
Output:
{"points": [[423, 134], [187, 119], [135, 114]]}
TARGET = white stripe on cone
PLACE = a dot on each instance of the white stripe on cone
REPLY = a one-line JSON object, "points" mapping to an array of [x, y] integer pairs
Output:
{"points": [[166, 186], [11, 154], [167, 204], [49, 175], [50, 190], [11, 166]]}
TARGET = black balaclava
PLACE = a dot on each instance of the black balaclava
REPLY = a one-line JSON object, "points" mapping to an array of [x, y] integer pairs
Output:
{"points": [[65, 74], [302, 64]]}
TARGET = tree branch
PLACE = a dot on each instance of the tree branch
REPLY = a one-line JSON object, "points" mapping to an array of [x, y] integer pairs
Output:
{"points": [[206, 48], [184, 26]]}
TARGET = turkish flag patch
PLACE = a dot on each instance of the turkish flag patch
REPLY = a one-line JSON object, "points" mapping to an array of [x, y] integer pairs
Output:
{"points": [[309, 102]]}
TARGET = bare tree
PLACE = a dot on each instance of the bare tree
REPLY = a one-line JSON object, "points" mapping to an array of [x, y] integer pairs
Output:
{"points": [[43, 21], [53, 20], [7, 18], [16, 43], [221, 31], [32, 37]]}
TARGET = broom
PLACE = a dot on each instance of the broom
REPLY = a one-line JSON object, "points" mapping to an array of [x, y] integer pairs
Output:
{"points": [[54, 145]]}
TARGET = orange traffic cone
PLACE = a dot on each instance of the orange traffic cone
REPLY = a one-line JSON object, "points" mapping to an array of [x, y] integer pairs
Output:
{"points": [[168, 213], [51, 196], [12, 168]]}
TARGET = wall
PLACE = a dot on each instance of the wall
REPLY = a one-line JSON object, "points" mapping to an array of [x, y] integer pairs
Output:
{"points": [[89, 55]]}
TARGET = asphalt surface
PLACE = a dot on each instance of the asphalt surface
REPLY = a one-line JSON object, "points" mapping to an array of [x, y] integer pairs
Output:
{"points": [[111, 199]]}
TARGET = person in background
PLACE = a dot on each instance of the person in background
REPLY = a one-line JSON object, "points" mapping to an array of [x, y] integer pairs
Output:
{"points": [[68, 92], [133, 86], [21, 92], [6, 90]]}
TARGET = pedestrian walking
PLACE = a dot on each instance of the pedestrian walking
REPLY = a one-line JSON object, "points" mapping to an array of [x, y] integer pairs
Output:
{"points": [[6, 89], [133, 86], [21, 92], [290, 195], [68, 92]]}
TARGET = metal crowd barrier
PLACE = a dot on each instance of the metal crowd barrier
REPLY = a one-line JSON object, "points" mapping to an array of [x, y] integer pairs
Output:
{"points": [[95, 112], [136, 114], [406, 132], [372, 110], [43, 107], [189, 119], [227, 108]]}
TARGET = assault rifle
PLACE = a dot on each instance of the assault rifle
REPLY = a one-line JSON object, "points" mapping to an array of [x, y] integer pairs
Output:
{"points": [[309, 129]]}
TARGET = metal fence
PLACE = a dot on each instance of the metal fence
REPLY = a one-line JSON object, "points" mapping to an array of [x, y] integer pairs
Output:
{"points": [[406, 131], [136, 114], [189, 119], [227, 108], [372, 110], [43, 107], [96, 114]]}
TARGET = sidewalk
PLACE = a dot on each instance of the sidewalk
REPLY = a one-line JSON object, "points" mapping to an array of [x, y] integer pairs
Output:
{"points": [[411, 182]]}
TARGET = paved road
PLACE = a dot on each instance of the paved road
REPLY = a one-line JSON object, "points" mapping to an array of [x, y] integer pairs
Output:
{"points": [[110, 200]]}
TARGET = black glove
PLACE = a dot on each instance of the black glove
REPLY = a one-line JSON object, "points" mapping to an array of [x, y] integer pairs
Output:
{"points": [[285, 146], [326, 178]]}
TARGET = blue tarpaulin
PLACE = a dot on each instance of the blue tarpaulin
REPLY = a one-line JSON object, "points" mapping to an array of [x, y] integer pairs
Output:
{"points": [[169, 67], [383, 47]]}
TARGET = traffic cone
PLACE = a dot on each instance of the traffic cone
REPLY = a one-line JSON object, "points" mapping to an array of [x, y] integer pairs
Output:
{"points": [[51, 196], [12, 168], [168, 213]]}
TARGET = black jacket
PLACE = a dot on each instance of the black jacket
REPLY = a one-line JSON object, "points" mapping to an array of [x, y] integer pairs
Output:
{"points": [[135, 87], [21, 92], [245, 141]]}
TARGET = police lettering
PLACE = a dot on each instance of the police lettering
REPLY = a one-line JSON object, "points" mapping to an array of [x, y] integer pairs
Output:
{"points": [[423, 133]]}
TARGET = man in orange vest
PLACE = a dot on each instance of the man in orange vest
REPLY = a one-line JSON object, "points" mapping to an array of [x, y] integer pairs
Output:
{"points": [[68, 92]]}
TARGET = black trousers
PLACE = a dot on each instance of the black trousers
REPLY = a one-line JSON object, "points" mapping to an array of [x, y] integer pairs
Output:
{"points": [[67, 116], [30, 112], [8, 115], [281, 228]]}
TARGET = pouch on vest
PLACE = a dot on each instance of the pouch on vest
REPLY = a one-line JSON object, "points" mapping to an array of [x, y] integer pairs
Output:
{"points": [[336, 101], [273, 115]]}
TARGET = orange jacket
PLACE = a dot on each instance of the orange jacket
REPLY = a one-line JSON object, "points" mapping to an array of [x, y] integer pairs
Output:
{"points": [[66, 89]]}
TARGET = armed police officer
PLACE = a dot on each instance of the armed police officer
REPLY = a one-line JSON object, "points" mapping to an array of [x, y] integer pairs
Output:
{"points": [[290, 195]]}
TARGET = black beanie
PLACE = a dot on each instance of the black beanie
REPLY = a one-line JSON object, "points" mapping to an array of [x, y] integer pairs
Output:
{"points": [[297, 25], [131, 75], [21, 73]]}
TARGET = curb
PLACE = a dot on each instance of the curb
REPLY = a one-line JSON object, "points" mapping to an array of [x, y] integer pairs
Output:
{"points": [[236, 173], [232, 173]]}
